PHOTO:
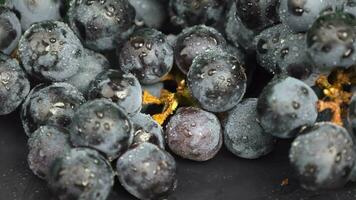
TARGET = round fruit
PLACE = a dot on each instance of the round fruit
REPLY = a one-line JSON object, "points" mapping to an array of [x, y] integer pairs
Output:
{"points": [[285, 105], [243, 135], [50, 105], [102, 125], [147, 172], [217, 81], [194, 134], [323, 156], [148, 55], [81, 174]]}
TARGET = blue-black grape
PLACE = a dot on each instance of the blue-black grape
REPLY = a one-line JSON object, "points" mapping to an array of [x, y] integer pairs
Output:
{"points": [[185, 13], [243, 134], [150, 13], [217, 80], [299, 15], [81, 174], [267, 42], [331, 42], [122, 89], [10, 30], [50, 105], [293, 59], [147, 172], [45, 145], [14, 85], [90, 67], [282, 52], [50, 51], [147, 130], [101, 24], [194, 134], [148, 55], [237, 33], [257, 14], [102, 125], [323, 156], [36, 10], [194, 41], [285, 105]]}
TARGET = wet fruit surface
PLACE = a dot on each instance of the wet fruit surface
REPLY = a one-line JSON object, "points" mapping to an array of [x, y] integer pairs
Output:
{"points": [[323, 156], [194, 134], [122, 89], [193, 42], [243, 135], [296, 107], [45, 145], [147, 172], [99, 24], [102, 125], [81, 174], [217, 81], [148, 55], [50, 105]]}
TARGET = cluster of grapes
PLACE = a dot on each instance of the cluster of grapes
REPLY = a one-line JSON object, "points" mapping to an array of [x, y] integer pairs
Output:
{"points": [[97, 67]]}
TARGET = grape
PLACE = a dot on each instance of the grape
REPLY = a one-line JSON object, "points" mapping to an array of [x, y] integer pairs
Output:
{"points": [[323, 156], [81, 174], [122, 89], [194, 41], [330, 41], [147, 172], [45, 145], [194, 134], [217, 81], [243, 135], [102, 125], [147, 55], [285, 105], [50, 105], [101, 24]]}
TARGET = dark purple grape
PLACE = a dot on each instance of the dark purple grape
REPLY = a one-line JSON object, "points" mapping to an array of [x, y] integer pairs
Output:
{"points": [[147, 130], [285, 105], [323, 156], [237, 33], [92, 64], [257, 14], [331, 41], [185, 13], [14, 85], [150, 13], [148, 55], [243, 135], [217, 81], [102, 125], [194, 41], [50, 105], [50, 51], [45, 145], [147, 172], [101, 24], [81, 174], [122, 89], [299, 15], [194, 134], [10, 30]]}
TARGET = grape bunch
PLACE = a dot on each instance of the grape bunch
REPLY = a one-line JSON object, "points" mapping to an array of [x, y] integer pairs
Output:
{"points": [[111, 91]]}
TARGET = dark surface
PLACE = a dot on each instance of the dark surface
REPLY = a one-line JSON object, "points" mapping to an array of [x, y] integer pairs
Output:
{"points": [[224, 178]]}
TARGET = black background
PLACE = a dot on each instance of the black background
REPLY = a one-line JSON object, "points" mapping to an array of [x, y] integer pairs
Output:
{"points": [[226, 177]]}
